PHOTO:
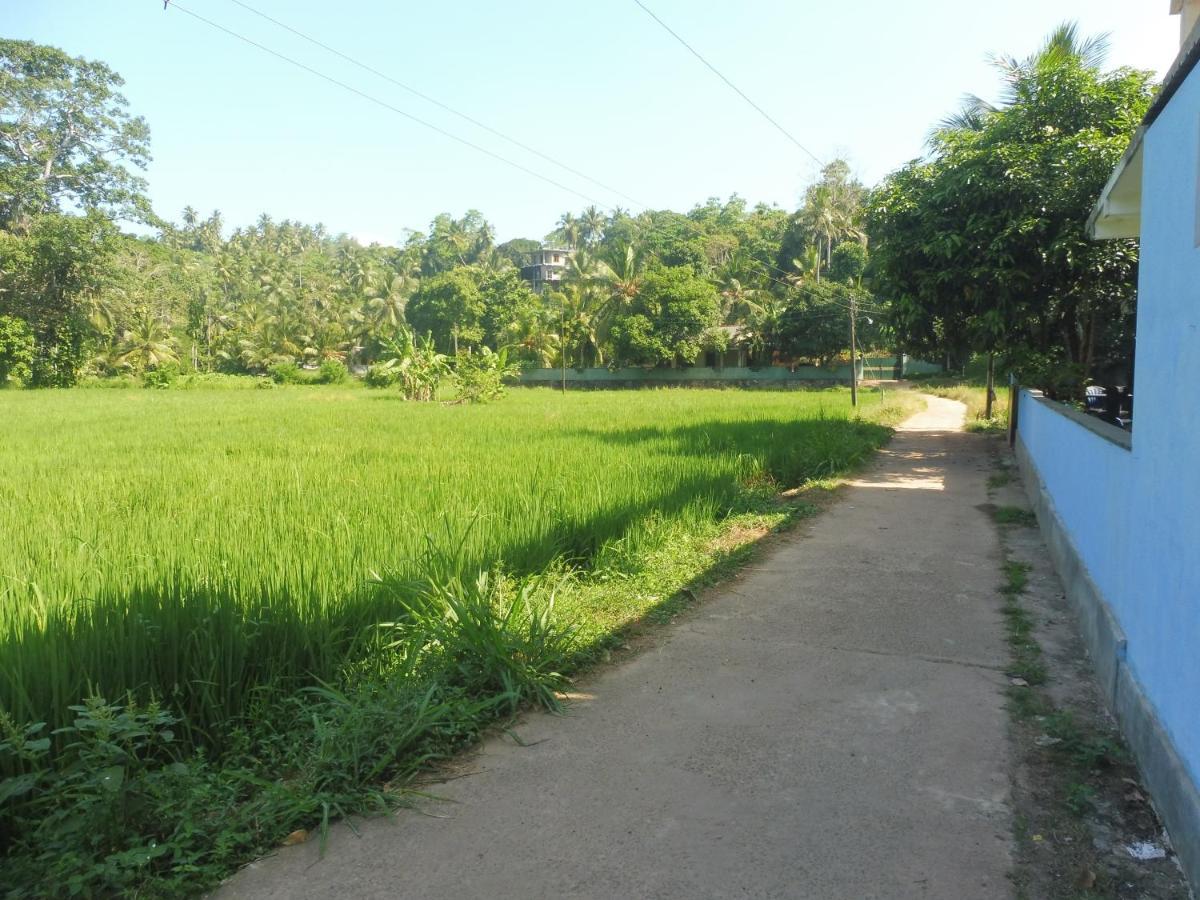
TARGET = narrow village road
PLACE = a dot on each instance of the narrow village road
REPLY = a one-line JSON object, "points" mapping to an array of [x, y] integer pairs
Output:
{"points": [[828, 725]]}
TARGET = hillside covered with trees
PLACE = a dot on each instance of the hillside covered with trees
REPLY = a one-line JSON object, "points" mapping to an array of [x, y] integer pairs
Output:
{"points": [[81, 298]]}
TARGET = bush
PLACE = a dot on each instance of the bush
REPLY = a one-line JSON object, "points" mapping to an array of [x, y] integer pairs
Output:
{"points": [[285, 373], [116, 382], [481, 375], [161, 376], [382, 375], [16, 351], [332, 371]]}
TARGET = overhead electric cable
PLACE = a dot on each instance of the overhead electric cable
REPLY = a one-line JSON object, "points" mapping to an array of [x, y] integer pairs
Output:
{"points": [[696, 53], [438, 103], [172, 4], [383, 103]]}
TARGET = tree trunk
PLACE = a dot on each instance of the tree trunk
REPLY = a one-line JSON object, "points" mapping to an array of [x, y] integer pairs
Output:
{"points": [[991, 386], [1089, 345]]}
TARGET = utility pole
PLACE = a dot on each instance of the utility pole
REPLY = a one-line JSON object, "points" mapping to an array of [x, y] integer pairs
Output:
{"points": [[991, 385], [853, 351], [562, 338]]}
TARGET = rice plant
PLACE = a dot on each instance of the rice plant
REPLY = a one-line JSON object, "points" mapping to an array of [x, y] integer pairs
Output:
{"points": [[216, 549]]}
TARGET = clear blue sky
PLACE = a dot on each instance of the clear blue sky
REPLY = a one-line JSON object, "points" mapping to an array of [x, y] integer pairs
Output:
{"points": [[596, 84]]}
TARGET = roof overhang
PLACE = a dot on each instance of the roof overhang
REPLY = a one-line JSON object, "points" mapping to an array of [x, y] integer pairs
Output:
{"points": [[1118, 212]]}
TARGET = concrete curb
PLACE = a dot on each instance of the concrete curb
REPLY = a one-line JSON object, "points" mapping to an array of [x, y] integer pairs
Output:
{"points": [[1176, 796]]}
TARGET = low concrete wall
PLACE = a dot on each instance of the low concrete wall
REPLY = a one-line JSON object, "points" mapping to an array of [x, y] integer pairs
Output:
{"points": [[737, 376], [694, 375], [1084, 479]]}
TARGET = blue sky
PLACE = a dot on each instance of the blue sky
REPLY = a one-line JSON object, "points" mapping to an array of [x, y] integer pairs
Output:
{"points": [[596, 84]]}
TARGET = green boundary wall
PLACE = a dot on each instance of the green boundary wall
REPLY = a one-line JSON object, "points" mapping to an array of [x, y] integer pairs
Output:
{"points": [[882, 367]]}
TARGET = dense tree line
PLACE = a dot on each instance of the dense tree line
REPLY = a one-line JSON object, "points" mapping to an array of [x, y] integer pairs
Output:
{"points": [[982, 244], [80, 297]]}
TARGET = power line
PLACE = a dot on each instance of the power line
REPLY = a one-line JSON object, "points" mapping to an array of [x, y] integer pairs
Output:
{"points": [[696, 53], [384, 104], [448, 134], [428, 99]]}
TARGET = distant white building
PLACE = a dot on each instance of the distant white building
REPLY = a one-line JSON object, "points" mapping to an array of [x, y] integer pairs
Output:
{"points": [[546, 267]]}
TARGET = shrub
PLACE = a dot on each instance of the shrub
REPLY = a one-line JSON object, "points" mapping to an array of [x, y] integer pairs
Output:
{"points": [[480, 376], [161, 376], [285, 373], [382, 375], [419, 368], [332, 371], [16, 350], [120, 808]]}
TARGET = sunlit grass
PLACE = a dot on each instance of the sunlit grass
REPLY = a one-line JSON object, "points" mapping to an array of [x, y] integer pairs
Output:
{"points": [[209, 546], [975, 398]]}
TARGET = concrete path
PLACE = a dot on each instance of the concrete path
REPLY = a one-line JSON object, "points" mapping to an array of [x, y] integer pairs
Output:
{"points": [[829, 725]]}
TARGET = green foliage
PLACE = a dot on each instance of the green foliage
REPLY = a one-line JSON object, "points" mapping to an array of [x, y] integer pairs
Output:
{"points": [[831, 214], [982, 245], [816, 325], [518, 250], [668, 319], [271, 693], [286, 372], [16, 351], [507, 299], [480, 376], [489, 639], [66, 137], [382, 375], [162, 376], [454, 243], [415, 365], [450, 307], [1014, 515], [332, 371], [848, 262], [49, 274]]}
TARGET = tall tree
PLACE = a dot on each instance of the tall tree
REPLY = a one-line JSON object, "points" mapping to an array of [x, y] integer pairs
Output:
{"points": [[66, 137], [832, 212], [668, 320], [982, 245]]}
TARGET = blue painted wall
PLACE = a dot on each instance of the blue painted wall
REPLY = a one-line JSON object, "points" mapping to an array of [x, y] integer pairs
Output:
{"points": [[1134, 515]]}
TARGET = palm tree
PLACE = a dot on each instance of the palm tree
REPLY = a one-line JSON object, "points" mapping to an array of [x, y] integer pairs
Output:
{"points": [[833, 208], [622, 272], [807, 267], [532, 334], [765, 326], [591, 225], [737, 301], [388, 299], [147, 344], [568, 230]]}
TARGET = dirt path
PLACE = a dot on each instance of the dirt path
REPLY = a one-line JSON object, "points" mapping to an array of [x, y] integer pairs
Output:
{"points": [[829, 725]]}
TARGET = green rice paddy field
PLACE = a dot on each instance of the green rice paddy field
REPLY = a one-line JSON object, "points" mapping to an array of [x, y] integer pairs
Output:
{"points": [[201, 544]]}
